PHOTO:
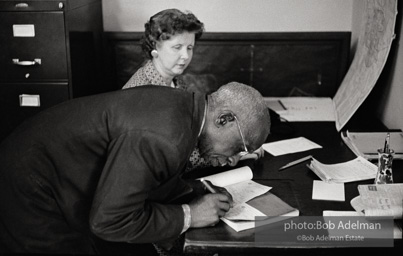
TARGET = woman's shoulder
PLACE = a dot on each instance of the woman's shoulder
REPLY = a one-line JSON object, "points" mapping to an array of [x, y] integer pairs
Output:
{"points": [[138, 78]]}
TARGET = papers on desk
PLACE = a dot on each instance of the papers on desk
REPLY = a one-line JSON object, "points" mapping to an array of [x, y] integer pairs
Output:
{"points": [[234, 176], [302, 108], [365, 144], [397, 228], [272, 209], [353, 170], [377, 200], [283, 147], [340, 213], [361, 77], [328, 191], [251, 200], [242, 189]]}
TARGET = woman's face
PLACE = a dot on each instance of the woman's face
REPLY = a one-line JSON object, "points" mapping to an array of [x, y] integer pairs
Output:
{"points": [[174, 54]]}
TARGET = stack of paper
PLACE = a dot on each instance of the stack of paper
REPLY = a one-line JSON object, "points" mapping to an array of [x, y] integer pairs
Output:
{"points": [[354, 170], [322, 190], [379, 200], [366, 144]]}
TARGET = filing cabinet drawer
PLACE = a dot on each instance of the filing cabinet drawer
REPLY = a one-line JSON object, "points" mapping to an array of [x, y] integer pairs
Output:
{"points": [[43, 55], [33, 46], [26, 6], [21, 101]]}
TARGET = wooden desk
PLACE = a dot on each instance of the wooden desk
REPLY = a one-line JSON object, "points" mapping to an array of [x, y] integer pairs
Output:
{"points": [[293, 185]]}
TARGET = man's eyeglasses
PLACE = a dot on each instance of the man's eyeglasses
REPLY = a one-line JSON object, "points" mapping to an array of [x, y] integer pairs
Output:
{"points": [[246, 151]]}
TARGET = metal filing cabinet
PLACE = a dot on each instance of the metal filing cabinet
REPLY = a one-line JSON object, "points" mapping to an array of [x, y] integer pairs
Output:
{"points": [[50, 52]]}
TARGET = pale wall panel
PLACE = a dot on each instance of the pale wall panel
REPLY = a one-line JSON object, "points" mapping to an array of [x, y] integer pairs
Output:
{"points": [[236, 15]]}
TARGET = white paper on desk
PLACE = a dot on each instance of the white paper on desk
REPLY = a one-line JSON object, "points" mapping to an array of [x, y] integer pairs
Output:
{"points": [[230, 177], [303, 108], [288, 146], [382, 199], [340, 213], [242, 189], [358, 205], [353, 170], [246, 190], [328, 191], [243, 211]]}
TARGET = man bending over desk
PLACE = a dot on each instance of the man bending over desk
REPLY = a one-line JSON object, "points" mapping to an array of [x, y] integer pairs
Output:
{"points": [[107, 167]]}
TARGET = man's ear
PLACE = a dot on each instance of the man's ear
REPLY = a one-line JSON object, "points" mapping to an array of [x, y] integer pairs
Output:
{"points": [[224, 118]]}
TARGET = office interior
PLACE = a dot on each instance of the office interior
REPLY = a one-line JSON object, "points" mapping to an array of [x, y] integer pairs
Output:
{"points": [[96, 45], [263, 16], [99, 43]]}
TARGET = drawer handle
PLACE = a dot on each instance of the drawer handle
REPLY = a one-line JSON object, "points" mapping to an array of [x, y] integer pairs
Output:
{"points": [[22, 5], [27, 62]]}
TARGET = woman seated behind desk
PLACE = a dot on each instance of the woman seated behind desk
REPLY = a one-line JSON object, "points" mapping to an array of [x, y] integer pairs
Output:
{"points": [[168, 43]]}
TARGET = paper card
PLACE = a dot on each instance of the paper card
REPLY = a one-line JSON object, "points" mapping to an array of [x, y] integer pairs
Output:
{"points": [[331, 213], [328, 191], [289, 146], [24, 30], [27, 100]]}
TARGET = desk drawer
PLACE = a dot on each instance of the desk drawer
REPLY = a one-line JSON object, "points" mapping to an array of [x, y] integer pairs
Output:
{"points": [[35, 46], [14, 108]]}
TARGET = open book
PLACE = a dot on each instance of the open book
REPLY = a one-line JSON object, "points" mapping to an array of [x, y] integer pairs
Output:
{"points": [[251, 200], [365, 144], [353, 170]]}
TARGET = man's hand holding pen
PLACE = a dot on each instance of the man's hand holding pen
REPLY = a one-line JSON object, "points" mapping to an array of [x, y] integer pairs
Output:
{"points": [[209, 208]]}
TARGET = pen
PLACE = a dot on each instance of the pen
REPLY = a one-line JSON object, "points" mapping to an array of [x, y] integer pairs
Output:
{"points": [[295, 162], [282, 105], [212, 190]]}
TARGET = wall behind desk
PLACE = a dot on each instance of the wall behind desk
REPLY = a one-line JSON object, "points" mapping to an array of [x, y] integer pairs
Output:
{"points": [[236, 15], [269, 16], [316, 67], [276, 64]]}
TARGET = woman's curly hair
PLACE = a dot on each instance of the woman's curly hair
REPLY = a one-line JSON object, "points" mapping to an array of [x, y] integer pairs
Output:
{"points": [[166, 23]]}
